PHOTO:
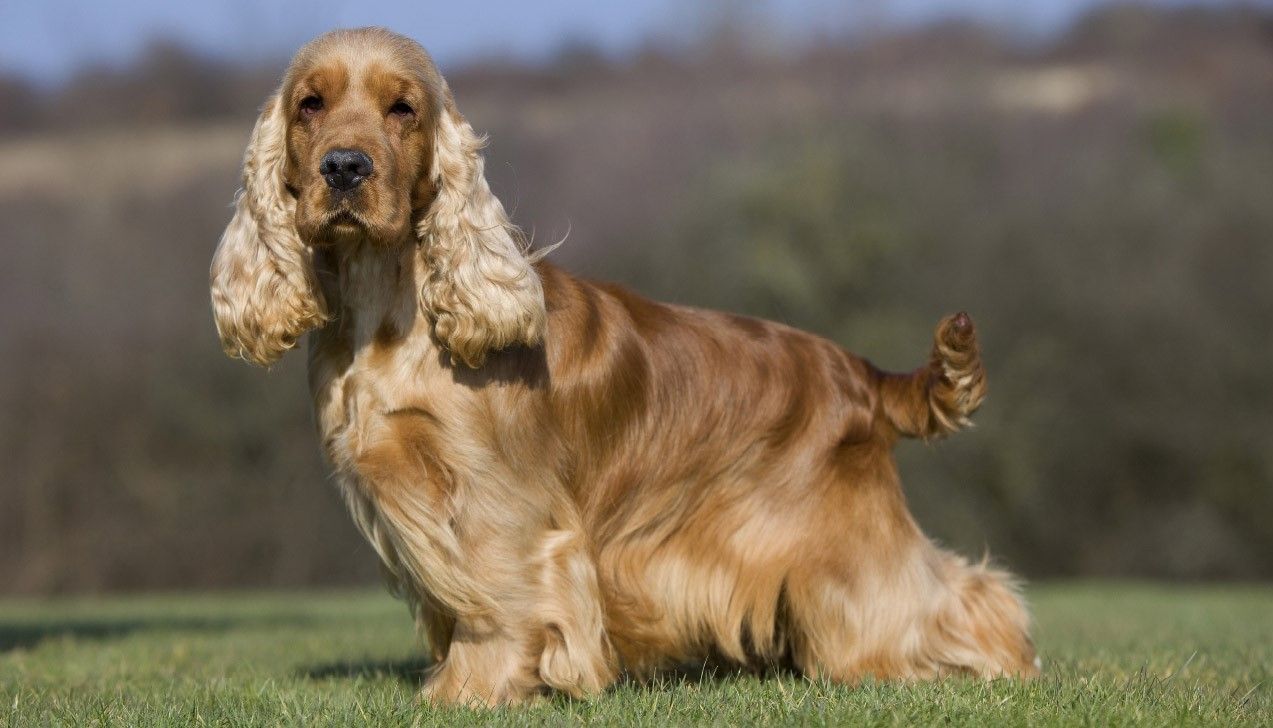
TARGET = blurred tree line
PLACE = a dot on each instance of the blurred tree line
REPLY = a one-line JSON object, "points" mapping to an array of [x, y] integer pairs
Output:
{"points": [[1100, 204]]}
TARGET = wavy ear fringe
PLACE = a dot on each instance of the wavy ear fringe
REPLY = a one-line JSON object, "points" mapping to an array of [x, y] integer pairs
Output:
{"points": [[265, 294], [480, 285]]}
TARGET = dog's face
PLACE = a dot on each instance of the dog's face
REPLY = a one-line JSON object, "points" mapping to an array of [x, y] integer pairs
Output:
{"points": [[360, 123]]}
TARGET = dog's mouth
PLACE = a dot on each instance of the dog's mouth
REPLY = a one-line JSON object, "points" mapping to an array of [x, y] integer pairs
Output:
{"points": [[338, 226], [345, 219]]}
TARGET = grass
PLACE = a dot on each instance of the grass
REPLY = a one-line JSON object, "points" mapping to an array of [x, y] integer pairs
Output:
{"points": [[1115, 654]]}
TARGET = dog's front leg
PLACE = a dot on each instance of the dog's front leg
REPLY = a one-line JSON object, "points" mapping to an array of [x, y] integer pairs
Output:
{"points": [[544, 628], [502, 564]]}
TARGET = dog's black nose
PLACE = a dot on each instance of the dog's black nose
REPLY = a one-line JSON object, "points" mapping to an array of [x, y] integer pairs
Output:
{"points": [[344, 169]]}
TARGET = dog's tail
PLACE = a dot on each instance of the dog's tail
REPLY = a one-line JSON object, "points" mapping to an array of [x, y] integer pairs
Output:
{"points": [[938, 398]]}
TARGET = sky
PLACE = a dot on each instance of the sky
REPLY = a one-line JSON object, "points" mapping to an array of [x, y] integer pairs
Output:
{"points": [[47, 40]]}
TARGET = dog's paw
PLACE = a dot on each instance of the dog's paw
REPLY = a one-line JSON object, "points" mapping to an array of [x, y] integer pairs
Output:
{"points": [[959, 378]]}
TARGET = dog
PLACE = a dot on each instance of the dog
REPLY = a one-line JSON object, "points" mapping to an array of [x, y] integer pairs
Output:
{"points": [[565, 481]]}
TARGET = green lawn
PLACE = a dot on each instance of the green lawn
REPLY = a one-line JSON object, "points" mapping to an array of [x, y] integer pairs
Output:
{"points": [[1114, 654]]}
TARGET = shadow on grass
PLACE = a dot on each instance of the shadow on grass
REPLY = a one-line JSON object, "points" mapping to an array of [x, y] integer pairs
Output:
{"points": [[713, 670], [25, 635], [411, 671]]}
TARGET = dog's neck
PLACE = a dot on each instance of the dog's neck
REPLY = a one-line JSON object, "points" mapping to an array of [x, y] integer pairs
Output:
{"points": [[377, 290]]}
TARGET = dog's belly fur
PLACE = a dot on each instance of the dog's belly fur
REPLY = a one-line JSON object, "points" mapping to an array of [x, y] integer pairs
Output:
{"points": [[540, 547]]}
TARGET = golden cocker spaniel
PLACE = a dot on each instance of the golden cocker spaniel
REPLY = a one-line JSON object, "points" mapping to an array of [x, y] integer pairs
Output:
{"points": [[563, 479]]}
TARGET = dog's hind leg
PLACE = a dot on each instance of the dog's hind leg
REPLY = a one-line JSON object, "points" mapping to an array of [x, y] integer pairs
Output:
{"points": [[980, 625], [850, 621], [876, 599], [928, 615]]}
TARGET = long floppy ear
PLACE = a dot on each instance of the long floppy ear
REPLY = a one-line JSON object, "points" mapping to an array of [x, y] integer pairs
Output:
{"points": [[264, 291], [480, 285]]}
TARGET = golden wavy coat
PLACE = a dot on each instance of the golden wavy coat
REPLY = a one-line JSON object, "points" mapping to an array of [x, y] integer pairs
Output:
{"points": [[563, 479]]}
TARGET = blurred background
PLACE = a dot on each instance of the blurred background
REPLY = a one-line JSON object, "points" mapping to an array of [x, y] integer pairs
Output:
{"points": [[1093, 181]]}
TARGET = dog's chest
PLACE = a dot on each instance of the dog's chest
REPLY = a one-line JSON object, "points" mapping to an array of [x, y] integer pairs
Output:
{"points": [[376, 358]]}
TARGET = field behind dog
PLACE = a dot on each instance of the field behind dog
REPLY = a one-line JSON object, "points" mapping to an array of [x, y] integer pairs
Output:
{"points": [[1114, 654], [1099, 204]]}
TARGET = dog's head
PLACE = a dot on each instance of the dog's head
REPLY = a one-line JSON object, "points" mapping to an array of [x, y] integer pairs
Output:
{"points": [[360, 111], [362, 145]]}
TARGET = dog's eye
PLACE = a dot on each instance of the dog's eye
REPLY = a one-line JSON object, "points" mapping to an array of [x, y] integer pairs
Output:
{"points": [[401, 108], [311, 104]]}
